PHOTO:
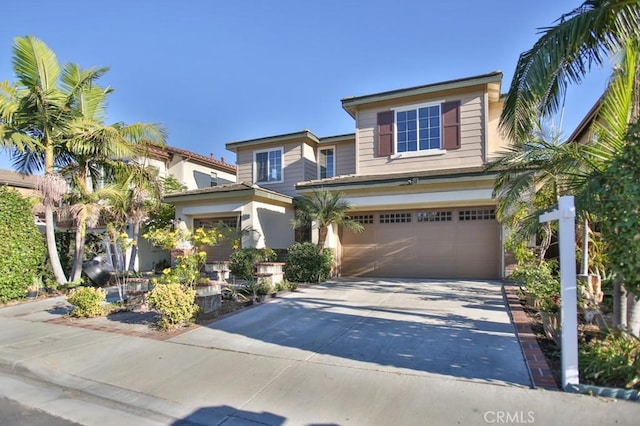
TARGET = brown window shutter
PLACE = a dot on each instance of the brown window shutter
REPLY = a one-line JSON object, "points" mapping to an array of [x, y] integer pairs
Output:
{"points": [[451, 125], [385, 133]]}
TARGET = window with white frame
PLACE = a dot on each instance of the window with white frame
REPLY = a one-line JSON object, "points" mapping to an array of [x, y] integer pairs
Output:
{"points": [[268, 166], [418, 128], [326, 162]]}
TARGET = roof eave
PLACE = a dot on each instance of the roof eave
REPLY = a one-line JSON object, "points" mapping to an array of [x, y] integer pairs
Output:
{"points": [[304, 134], [351, 104]]}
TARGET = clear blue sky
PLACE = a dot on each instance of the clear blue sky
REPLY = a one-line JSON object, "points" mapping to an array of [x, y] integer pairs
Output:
{"points": [[214, 71]]}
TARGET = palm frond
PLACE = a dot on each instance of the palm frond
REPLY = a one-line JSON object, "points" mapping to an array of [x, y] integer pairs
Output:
{"points": [[563, 55]]}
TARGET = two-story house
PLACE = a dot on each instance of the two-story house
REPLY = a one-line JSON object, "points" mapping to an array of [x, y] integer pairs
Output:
{"points": [[412, 171]]}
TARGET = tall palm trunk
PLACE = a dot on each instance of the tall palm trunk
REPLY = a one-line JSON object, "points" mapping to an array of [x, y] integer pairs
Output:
{"points": [[52, 250], [323, 230], [134, 248], [80, 235]]}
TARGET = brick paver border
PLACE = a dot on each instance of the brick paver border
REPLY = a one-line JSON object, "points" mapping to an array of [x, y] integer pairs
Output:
{"points": [[539, 371]]}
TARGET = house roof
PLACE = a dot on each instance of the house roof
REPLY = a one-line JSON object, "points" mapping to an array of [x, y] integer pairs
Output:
{"points": [[17, 180], [286, 137], [348, 137], [351, 104], [230, 190], [585, 123], [167, 152], [409, 178]]}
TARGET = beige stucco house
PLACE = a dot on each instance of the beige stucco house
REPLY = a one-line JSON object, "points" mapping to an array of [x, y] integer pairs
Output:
{"points": [[412, 170]]}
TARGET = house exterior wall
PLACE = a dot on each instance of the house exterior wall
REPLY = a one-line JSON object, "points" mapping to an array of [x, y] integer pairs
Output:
{"points": [[345, 158], [495, 141], [198, 176], [470, 154], [272, 225], [296, 160]]}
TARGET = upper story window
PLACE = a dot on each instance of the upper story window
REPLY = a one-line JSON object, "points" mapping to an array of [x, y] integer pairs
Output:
{"points": [[326, 162], [418, 128], [214, 179], [268, 166]]}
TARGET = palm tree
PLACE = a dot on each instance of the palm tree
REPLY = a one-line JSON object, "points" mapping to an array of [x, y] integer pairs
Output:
{"points": [[531, 176], [324, 208], [588, 35], [37, 112]]}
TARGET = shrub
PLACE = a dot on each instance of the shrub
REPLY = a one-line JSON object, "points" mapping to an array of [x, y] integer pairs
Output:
{"points": [[306, 265], [242, 262], [87, 302], [613, 361], [286, 285], [540, 282], [174, 303], [22, 247], [263, 288]]}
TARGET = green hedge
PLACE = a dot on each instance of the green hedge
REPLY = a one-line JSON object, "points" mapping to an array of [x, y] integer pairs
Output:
{"points": [[304, 264], [22, 246], [242, 262]]}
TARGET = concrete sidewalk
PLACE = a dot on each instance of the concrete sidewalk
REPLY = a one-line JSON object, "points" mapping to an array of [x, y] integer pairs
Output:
{"points": [[363, 353]]}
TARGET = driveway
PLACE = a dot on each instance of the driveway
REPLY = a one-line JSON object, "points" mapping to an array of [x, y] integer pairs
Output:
{"points": [[455, 328]]}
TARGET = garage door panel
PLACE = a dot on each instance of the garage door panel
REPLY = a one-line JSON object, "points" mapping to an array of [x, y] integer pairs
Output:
{"points": [[442, 248]]}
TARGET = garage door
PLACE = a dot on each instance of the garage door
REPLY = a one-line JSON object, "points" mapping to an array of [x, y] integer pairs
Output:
{"points": [[223, 250], [442, 243]]}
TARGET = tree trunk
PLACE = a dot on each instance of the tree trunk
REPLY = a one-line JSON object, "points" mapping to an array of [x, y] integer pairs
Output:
{"points": [[322, 237], [585, 248], [619, 305], [54, 258], [633, 314], [134, 248], [78, 254]]}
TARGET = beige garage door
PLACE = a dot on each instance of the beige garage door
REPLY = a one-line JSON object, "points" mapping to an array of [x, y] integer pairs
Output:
{"points": [[442, 243]]}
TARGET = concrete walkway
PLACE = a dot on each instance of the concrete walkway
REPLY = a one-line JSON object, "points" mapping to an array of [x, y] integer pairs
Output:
{"points": [[348, 352]]}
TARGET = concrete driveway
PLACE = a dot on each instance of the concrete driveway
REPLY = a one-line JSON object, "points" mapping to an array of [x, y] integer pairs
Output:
{"points": [[360, 352], [454, 328]]}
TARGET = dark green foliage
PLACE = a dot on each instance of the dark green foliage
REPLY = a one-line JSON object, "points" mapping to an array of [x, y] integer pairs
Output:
{"points": [[619, 198], [242, 262], [612, 361], [304, 264], [22, 247]]}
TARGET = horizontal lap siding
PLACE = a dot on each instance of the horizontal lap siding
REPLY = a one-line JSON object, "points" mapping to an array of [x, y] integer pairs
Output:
{"points": [[345, 159], [294, 167], [470, 153]]}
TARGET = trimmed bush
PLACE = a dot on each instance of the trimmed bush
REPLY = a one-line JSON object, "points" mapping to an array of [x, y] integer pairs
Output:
{"points": [[22, 246], [87, 302], [242, 262], [175, 304], [304, 264]]}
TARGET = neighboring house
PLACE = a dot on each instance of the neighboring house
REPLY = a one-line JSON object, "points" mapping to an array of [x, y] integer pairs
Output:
{"points": [[193, 170], [413, 172]]}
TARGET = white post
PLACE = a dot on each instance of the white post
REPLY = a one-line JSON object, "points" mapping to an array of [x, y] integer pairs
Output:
{"points": [[565, 215]]}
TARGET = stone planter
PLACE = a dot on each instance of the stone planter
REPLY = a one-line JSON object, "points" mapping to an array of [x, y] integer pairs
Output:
{"points": [[137, 284], [218, 270], [272, 272], [209, 298]]}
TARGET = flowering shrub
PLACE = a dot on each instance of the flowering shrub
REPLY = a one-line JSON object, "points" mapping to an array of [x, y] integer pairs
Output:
{"points": [[187, 270], [174, 303], [87, 302]]}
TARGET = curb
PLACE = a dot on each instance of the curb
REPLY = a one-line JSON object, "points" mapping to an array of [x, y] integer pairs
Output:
{"points": [[539, 371], [135, 403]]}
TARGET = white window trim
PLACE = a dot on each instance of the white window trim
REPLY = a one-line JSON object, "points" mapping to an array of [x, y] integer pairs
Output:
{"points": [[333, 172], [418, 153], [255, 165]]}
